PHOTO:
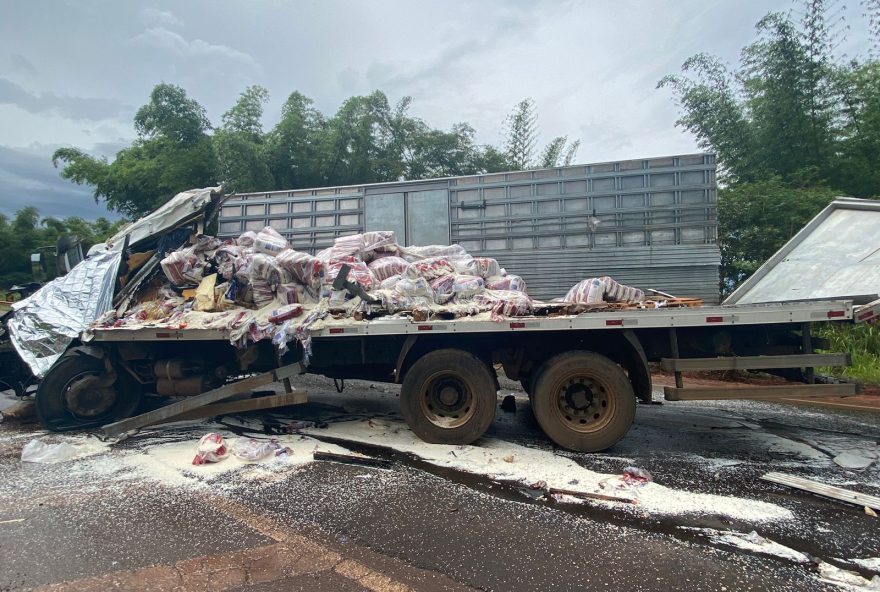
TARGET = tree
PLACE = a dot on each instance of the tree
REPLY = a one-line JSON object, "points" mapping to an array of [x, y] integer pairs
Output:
{"points": [[294, 144], [240, 144], [792, 127], [27, 233], [755, 219], [788, 109], [173, 152], [521, 139], [521, 134], [557, 153]]}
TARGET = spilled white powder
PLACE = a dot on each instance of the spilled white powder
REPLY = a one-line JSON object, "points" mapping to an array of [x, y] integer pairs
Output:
{"points": [[529, 466], [752, 542]]}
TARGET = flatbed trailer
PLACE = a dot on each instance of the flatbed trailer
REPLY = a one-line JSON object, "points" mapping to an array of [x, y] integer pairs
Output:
{"points": [[584, 373]]}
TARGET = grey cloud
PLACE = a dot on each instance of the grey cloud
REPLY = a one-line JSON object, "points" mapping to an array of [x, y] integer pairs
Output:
{"points": [[157, 17], [22, 64], [27, 178], [203, 53], [78, 108]]}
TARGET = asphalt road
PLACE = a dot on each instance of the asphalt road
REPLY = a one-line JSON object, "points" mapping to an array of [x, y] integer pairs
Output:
{"points": [[128, 517]]}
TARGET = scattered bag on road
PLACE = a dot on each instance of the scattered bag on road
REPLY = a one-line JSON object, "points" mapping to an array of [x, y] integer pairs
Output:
{"points": [[636, 477], [211, 449], [251, 450], [37, 451]]}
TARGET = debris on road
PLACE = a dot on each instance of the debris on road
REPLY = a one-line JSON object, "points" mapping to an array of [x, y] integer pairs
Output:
{"points": [[508, 403], [849, 580], [854, 459], [253, 450], [211, 449], [20, 411], [591, 495], [636, 477], [837, 493], [40, 451], [541, 469], [752, 542], [353, 459]]}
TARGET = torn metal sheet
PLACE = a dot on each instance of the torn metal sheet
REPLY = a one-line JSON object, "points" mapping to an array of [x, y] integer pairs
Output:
{"points": [[180, 209], [45, 323], [836, 256]]}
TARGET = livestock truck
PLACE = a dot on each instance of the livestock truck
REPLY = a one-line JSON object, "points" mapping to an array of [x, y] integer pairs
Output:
{"points": [[584, 372]]}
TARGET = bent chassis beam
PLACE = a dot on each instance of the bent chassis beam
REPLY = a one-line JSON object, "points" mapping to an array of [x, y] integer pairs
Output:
{"points": [[190, 403]]}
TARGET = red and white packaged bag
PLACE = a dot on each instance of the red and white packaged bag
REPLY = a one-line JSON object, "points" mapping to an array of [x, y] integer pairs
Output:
{"points": [[504, 303], [430, 268], [304, 268], [268, 241], [508, 282], [289, 311], [359, 272], [589, 291], [617, 292], [390, 283], [246, 239], [442, 288], [416, 253], [467, 286], [418, 287], [175, 265], [385, 267], [211, 449], [379, 241]]}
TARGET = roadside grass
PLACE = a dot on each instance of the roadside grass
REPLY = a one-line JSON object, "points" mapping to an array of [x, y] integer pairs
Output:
{"points": [[862, 341]]}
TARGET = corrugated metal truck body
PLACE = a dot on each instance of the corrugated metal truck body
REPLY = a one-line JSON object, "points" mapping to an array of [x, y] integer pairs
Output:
{"points": [[650, 223]]}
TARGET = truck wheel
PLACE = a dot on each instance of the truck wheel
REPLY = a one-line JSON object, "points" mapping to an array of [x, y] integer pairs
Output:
{"points": [[77, 393], [583, 401], [448, 397]]}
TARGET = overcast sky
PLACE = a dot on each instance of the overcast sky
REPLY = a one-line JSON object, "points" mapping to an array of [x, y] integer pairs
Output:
{"points": [[73, 72]]}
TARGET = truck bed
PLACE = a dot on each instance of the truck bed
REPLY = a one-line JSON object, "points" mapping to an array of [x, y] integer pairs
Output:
{"points": [[704, 316]]}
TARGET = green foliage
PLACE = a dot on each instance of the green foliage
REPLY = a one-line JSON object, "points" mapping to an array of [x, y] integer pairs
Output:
{"points": [[792, 127], [862, 341], [172, 153], [755, 219], [521, 139], [788, 108], [172, 115], [26, 233], [239, 144], [366, 141]]}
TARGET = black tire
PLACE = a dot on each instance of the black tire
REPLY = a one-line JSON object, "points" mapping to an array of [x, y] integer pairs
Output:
{"points": [[448, 397], [117, 401], [583, 401]]}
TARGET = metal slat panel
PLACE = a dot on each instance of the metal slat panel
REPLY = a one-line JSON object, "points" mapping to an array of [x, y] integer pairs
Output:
{"points": [[657, 221]]}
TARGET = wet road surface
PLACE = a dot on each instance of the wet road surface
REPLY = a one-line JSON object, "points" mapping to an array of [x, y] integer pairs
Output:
{"points": [[128, 517]]}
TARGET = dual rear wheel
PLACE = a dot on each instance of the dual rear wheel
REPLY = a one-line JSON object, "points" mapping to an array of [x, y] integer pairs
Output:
{"points": [[582, 400]]}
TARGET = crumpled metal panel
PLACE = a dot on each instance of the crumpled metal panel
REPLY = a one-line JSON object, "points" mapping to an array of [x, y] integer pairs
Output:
{"points": [[177, 210], [46, 322]]}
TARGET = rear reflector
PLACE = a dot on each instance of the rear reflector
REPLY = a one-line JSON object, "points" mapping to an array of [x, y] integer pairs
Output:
{"points": [[335, 330], [833, 314], [714, 319], [425, 327], [517, 325], [614, 323], [163, 335]]}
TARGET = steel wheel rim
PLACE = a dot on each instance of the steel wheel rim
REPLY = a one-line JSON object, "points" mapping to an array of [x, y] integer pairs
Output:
{"points": [[447, 400], [582, 403], [102, 410]]}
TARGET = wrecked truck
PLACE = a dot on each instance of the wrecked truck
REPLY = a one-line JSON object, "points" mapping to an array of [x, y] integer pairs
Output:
{"points": [[164, 309]]}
